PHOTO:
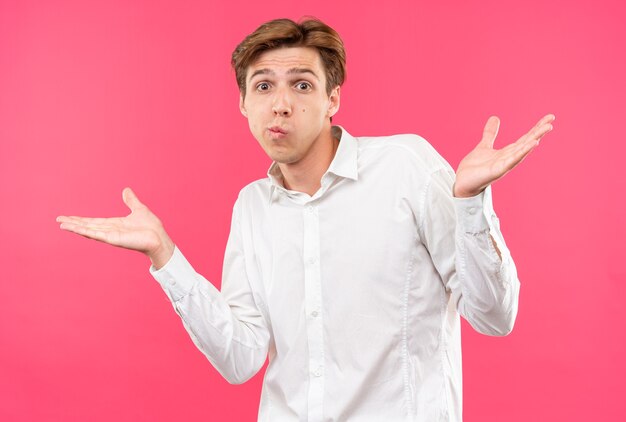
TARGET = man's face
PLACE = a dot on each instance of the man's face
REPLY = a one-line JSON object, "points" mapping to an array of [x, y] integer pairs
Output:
{"points": [[286, 103]]}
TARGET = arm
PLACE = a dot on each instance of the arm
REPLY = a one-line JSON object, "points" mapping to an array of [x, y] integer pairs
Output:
{"points": [[463, 233], [458, 234], [226, 326]]}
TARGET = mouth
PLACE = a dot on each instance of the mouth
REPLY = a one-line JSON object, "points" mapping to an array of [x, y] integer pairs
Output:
{"points": [[276, 132], [277, 129]]}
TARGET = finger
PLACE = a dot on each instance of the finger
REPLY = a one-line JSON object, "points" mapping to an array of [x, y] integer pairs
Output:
{"points": [[92, 221], [88, 232], [542, 130], [62, 219], [99, 227], [535, 135], [548, 118], [72, 219], [541, 124], [490, 131], [513, 156], [532, 137], [130, 199]]}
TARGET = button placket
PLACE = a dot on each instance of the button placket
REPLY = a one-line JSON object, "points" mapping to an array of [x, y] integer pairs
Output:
{"points": [[313, 302]]}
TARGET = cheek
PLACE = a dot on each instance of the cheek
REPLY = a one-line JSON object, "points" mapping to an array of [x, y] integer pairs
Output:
{"points": [[253, 117], [253, 125]]}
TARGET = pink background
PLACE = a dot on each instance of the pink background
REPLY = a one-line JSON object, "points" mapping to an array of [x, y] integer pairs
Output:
{"points": [[98, 95]]}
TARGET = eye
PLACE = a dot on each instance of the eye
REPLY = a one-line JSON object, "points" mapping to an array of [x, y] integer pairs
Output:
{"points": [[263, 86], [303, 86]]}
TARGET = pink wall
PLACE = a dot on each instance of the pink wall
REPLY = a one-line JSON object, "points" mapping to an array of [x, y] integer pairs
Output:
{"points": [[98, 95]]}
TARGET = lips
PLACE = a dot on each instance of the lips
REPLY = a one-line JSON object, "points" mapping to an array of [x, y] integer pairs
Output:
{"points": [[277, 133], [278, 130]]}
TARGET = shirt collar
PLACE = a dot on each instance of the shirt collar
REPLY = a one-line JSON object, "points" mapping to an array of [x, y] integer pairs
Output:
{"points": [[344, 163]]}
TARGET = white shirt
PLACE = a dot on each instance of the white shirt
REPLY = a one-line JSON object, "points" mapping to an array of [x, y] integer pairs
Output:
{"points": [[355, 292]]}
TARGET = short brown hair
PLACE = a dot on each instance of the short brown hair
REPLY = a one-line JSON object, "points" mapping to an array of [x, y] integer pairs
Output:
{"points": [[309, 32]]}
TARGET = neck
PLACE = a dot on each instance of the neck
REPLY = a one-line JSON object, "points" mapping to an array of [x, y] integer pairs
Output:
{"points": [[306, 174]]}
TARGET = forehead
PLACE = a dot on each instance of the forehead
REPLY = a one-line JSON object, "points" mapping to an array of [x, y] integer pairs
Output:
{"points": [[281, 60]]}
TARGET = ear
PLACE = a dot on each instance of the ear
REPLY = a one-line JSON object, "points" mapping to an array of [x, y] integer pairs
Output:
{"points": [[334, 101], [242, 106]]}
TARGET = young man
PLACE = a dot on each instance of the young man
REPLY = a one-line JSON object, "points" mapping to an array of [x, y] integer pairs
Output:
{"points": [[350, 263]]}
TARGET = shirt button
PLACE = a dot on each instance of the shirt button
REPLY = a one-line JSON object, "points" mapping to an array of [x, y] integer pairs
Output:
{"points": [[312, 260], [311, 208], [318, 372], [472, 211], [314, 314]]}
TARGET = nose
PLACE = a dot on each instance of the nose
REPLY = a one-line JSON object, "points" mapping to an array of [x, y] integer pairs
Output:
{"points": [[281, 105]]}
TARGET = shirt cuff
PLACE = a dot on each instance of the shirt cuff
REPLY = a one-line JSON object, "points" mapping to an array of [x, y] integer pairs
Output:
{"points": [[474, 213], [177, 277]]}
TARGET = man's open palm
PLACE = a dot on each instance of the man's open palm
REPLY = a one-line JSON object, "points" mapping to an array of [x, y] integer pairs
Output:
{"points": [[140, 230], [484, 164]]}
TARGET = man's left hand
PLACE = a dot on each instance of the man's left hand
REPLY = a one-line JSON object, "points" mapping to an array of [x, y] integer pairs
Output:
{"points": [[484, 164]]}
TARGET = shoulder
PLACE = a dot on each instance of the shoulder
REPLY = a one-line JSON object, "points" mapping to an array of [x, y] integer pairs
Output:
{"points": [[257, 190], [253, 196], [403, 148]]}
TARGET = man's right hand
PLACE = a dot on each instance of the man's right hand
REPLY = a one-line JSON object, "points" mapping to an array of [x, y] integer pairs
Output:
{"points": [[141, 230]]}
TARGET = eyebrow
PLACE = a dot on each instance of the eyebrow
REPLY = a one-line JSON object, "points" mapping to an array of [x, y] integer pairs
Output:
{"points": [[292, 71]]}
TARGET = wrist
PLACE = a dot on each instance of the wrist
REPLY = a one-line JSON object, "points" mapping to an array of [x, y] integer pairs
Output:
{"points": [[458, 193], [163, 252]]}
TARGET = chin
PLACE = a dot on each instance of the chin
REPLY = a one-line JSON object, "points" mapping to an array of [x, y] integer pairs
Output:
{"points": [[284, 159]]}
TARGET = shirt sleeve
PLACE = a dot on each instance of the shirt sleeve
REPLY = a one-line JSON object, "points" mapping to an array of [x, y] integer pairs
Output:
{"points": [[226, 326], [459, 232]]}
